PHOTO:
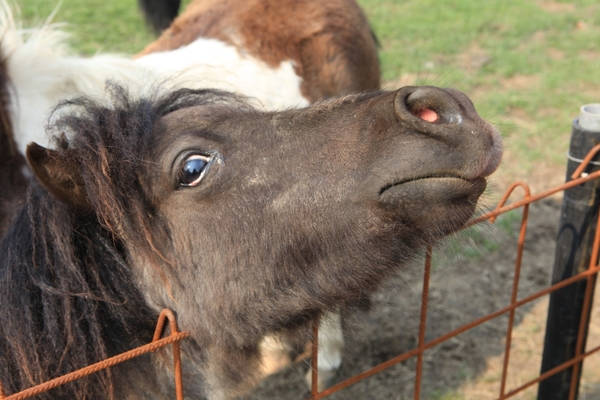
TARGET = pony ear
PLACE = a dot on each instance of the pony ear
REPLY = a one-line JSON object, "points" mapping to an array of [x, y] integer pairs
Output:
{"points": [[59, 175]]}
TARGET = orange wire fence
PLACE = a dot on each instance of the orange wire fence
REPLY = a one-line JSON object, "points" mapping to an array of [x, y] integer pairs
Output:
{"points": [[579, 177], [156, 344]]}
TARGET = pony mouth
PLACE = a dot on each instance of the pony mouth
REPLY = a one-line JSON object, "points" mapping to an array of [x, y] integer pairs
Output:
{"points": [[434, 190], [440, 178]]}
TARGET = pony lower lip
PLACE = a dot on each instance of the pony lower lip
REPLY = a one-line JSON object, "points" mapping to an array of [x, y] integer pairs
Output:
{"points": [[447, 187], [399, 183]]}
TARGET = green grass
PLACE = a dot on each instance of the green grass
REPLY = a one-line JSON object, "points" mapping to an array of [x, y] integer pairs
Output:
{"points": [[472, 243], [510, 222], [95, 25]]}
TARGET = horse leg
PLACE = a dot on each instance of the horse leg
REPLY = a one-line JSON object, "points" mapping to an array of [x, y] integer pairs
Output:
{"points": [[331, 347], [275, 355]]}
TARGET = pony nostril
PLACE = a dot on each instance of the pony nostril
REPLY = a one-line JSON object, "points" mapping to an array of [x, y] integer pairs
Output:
{"points": [[431, 105], [427, 114]]}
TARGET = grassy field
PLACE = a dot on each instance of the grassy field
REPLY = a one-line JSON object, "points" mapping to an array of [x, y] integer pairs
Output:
{"points": [[95, 25], [528, 65]]}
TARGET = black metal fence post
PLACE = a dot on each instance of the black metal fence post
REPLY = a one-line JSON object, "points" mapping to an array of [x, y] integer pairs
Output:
{"points": [[579, 215]]}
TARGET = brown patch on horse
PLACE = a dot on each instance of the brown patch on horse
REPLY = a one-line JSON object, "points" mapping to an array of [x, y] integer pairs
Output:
{"points": [[13, 183], [330, 42]]}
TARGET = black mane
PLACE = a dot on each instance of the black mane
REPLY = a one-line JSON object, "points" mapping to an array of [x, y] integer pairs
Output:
{"points": [[13, 181], [68, 297]]}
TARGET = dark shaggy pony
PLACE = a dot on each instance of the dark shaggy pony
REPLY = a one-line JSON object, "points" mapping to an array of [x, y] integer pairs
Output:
{"points": [[282, 53], [245, 223], [67, 292], [13, 181]]}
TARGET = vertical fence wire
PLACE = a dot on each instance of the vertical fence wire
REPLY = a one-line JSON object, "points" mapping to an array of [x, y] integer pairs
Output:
{"points": [[587, 302], [515, 288], [314, 363], [165, 315], [423, 323]]}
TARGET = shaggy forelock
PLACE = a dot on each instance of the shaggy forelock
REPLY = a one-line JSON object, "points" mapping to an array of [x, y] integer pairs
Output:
{"points": [[110, 141]]}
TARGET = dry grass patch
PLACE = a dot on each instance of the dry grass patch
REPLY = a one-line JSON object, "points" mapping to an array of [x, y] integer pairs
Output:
{"points": [[556, 7], [473, 58], [556, 54], [589, 55], [521, 82]]}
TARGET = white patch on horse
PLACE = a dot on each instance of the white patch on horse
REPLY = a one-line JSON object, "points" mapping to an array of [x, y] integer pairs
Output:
{"points": [[43, 71], [212, 64]]}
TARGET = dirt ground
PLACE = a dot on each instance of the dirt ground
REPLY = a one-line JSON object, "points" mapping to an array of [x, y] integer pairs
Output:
{"points": [[471, 276]]}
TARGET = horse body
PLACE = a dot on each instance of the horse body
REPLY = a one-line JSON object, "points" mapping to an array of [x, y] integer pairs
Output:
{"points": [[246, 223], [330, 44]]}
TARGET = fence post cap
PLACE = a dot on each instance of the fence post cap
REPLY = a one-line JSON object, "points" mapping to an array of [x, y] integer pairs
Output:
{"points": [[589, 117]]}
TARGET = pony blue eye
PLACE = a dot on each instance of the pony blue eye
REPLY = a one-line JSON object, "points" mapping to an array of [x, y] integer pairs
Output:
{"points": [[192, 170]]}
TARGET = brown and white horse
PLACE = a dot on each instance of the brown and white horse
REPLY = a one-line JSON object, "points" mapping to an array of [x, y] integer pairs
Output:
{"points": [[281, 53]]}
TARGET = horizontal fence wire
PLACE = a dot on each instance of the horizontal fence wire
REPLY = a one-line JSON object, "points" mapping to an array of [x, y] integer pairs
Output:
{"points": [[579, 177], [156, 344]]}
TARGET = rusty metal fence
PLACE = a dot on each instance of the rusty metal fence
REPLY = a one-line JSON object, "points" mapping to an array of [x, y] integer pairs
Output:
{"points": [[579, 177], [157, 343]]}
